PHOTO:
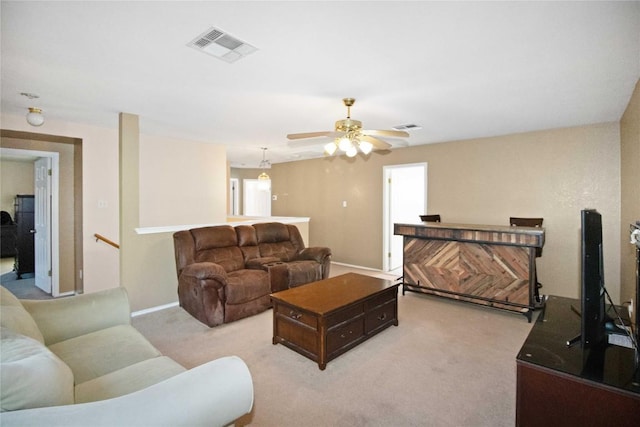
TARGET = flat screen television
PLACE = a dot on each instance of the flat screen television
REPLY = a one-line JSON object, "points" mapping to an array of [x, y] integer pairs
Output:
{"points": [[594, 320]]}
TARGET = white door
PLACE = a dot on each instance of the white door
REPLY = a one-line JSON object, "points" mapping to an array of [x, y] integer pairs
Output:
{"points": [[257, 200], [405, 198], [42, 223]]}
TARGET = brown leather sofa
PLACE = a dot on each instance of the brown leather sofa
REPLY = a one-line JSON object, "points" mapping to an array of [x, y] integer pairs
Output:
{"points": [[227, 273]]}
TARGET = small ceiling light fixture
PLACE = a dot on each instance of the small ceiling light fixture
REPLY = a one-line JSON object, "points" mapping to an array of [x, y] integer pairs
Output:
{"points": [[264, 180], [35, 117], [349, 144]]}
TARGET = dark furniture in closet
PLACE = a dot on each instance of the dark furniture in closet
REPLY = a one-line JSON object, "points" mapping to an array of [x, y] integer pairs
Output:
{"points": [[25, 217], [7, 235]]}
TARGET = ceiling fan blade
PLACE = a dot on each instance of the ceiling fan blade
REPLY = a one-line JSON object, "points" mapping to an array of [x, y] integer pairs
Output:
{"points": [[378, 144], [309, 135], [387, 133]]}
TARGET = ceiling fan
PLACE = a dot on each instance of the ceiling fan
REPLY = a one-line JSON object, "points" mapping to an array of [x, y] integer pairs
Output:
{"points": [[349, 135]]}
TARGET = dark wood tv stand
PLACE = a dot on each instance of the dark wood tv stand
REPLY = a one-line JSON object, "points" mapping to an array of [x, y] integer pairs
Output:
{"points": [[570, 386]]}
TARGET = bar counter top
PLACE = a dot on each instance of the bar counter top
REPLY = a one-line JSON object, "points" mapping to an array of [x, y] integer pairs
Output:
{"points": [[500, 234]]}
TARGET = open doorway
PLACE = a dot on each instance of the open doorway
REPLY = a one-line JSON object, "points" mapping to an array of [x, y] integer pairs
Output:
{"points": [[257, 199], [66, 214], [43, 227], [404, 199]]}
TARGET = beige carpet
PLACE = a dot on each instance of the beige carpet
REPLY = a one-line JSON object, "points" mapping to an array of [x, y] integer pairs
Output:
{"points": [[446, 364]]}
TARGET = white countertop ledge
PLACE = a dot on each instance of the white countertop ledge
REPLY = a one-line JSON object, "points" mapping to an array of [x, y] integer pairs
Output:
{"points": [[232, 220]]}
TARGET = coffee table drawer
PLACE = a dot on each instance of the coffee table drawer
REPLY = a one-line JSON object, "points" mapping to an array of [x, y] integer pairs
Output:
{"points": [[380, 316], [297, 315], [344, 315], [389, 295], [344, 335]]}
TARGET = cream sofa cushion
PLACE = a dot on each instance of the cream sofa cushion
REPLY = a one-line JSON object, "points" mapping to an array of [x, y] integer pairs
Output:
{"points": [[31, 375], [15, 317], [99, 353], [127, 380]]}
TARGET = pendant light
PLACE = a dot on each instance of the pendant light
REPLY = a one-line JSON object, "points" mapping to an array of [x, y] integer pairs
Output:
{"points": [[264, 180]]}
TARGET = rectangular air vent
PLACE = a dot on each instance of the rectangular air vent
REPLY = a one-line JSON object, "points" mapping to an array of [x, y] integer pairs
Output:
{"points": [[407, 127], [216, 42]]}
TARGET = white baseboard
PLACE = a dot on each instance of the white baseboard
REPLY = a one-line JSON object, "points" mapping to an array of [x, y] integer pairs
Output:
{"points": [[359, 267], [152, 309]]}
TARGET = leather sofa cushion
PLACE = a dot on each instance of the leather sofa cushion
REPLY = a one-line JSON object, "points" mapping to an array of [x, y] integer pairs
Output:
{"points": [[248, 242], [218, 244], [229, 258], [271, 232], [247, 285], [31, 375], [274, 240], [284, 251], [127, 380], [99, 353], [220, 236], [246, 235]]}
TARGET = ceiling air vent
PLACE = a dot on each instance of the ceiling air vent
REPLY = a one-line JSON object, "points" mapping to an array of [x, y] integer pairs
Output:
{"points": [[407, 127], [216, 42]]}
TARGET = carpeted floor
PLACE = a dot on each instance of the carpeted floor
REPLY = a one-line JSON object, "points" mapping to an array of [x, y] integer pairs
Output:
{"points": [[23, 288], [446, 364]]}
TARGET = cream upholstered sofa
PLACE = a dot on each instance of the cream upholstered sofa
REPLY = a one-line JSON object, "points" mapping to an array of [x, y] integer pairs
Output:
{"points": [[77, 361]]}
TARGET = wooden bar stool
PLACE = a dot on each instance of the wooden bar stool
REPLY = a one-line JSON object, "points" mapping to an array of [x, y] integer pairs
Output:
{"points": [[530, 222]]}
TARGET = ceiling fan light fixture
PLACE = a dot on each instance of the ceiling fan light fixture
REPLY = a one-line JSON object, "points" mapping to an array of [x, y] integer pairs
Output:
{"points": [[330, 148], [354, 138], [35, 117], [344, 143], [365, 147]]}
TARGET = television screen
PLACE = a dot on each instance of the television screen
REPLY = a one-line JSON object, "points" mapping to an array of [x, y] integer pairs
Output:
{"points": [[592, 277]]}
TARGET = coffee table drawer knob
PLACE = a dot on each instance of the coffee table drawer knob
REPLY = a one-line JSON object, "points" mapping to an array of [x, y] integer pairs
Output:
{"points": [[295, 315], [383, 316], [345, 335]]}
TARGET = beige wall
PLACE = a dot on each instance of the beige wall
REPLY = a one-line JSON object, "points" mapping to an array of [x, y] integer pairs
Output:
{"points": [[16, 178], [163, 182], [180, 182], [553, 174], [630, 177]]}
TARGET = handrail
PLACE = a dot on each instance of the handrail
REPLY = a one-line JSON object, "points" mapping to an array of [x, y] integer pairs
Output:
{"points": [[107, 241]]}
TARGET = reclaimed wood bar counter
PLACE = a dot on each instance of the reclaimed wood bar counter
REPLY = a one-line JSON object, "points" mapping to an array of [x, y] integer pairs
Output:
{"points": [[485, 264]]}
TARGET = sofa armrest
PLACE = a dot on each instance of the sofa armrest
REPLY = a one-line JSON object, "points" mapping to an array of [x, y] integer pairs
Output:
{"points": [[214, 394], [64, 318], [318, 254], [204, 271]]}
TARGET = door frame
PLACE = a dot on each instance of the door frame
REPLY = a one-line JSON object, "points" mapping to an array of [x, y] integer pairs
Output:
{"points": [[53, 213], [387, 224], [234, 196]]}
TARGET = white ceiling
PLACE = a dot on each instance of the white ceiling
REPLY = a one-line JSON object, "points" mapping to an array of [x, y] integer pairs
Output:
{"points": [[458, 69]]}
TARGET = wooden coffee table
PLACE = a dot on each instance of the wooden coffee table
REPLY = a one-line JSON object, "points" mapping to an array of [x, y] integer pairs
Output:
{"points": [[324, 319]]}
